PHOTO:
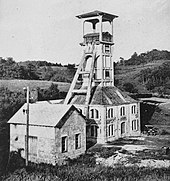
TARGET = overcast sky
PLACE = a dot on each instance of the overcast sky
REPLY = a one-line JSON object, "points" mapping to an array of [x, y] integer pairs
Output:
{"points": [[48, 29]]}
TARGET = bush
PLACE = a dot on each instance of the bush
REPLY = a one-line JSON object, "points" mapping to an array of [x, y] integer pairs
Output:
{"points": [[15, 161]]}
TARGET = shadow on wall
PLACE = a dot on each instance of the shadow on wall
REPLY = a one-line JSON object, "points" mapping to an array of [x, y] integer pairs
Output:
{"points": [[146, 113], [4, 147], [90, 142], [91, 134]]}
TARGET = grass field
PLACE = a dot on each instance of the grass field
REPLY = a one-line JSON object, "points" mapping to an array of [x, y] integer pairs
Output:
{"points": [[20, 84], [121, 160]]}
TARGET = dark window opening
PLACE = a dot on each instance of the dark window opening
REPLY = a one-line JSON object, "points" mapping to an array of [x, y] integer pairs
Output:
{"points": [[107, 74], [64, 146], [77, 141]]}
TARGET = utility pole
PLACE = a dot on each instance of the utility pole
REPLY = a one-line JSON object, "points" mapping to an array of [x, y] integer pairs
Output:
{"points": [[27, 130]]}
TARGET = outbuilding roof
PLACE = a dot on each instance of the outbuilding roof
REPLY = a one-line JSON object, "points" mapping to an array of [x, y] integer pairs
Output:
{"points": [[108, 95], [42, 113]]}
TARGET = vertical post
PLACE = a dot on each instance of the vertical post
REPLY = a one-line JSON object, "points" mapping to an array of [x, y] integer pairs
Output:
{"points": [[27, 130], [112, 29], [111, 51], [83, 22], [101, 28]]}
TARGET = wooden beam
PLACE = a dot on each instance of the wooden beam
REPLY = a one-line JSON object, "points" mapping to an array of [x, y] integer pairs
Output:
{"points": [[69, 94], [90, 79]]}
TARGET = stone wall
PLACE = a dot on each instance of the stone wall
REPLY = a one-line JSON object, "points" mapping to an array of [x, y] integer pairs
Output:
{"points": [[75, 124], [45, 142]]}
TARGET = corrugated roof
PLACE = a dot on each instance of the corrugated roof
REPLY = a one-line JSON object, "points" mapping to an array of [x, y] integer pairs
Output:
{"points": [[108, 95], [96, 13], [41, 113]]}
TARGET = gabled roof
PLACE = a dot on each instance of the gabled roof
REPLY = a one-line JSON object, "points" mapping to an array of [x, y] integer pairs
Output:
{"points": [[108, 95], [42, 113], [97, 13]]}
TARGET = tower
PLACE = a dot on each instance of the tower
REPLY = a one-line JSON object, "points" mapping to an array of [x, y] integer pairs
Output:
{"points": [[96, 66], [110, 113]]}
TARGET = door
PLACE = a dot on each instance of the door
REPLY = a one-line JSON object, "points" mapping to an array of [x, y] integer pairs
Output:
{"points": [[123, 129]]}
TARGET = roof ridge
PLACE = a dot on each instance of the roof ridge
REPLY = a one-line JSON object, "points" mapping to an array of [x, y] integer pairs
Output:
{"points": [[120, 95], [108, 99]]}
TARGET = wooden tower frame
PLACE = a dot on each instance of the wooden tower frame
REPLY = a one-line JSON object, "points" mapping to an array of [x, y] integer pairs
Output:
{"points": [[98, 47]]}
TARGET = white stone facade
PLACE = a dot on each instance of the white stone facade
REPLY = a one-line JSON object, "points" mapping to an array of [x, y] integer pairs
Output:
{"points": [[113, 122]]}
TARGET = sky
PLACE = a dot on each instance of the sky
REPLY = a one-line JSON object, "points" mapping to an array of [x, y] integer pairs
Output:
{"points": [[48, 29]]}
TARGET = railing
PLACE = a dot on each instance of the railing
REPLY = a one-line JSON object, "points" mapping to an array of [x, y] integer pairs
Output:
{"points": [[94, 37]]}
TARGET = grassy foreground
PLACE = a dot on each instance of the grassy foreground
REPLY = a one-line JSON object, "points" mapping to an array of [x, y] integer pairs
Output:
{"points": [[83, 172], [86, 168]]}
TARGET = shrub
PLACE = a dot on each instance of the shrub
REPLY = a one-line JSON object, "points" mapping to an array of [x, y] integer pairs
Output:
{"points": [[15, 161]]}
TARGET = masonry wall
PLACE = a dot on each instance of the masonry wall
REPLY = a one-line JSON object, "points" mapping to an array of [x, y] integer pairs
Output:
{"points": [[103, 122], [45, 142], [75, 124], [127, 119]]}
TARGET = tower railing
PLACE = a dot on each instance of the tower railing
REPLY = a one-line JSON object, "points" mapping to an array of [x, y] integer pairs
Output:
{"points": [[91, 37]]}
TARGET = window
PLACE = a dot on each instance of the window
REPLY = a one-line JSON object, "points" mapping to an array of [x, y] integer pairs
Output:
{"points": [[133, 109], [107, 61], [123, 128], [97, 114], [33, 145], [64, 144], [107, 74], [107, 48], [135, 125], [93, 131], [122, 111], [110, 130], [110, 113], [77, 141], [94, 113]]}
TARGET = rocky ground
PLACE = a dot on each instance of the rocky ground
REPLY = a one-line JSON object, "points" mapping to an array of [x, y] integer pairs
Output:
{"points": [[145, 151]]}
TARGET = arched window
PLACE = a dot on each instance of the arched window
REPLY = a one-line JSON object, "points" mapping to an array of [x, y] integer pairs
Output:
{"points": [[94, 113], [97, 114], [110, 130], [123, 128], [110, 113], [133, 108], [122, 111], [135, 125]]}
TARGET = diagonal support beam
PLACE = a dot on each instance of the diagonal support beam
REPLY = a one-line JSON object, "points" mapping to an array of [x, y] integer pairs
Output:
{"points": [[69, 94], [90, 80]]}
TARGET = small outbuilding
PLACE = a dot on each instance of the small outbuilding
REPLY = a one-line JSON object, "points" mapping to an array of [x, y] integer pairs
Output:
{"points": [[56, 132]]}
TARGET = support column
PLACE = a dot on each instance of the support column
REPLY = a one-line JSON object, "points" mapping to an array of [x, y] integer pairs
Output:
{"points": [[103, 125], [112, 30], [101, 28]]}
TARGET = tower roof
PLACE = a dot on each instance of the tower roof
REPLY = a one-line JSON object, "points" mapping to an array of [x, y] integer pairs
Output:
{"points": [[97, 13], [104, 96]]}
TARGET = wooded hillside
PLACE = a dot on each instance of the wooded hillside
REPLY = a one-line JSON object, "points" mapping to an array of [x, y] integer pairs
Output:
{"points": [[145, 73], [36, 70]]}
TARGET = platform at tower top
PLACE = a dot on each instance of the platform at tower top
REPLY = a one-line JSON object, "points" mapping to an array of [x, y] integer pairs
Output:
{"points": [[106, 16]]}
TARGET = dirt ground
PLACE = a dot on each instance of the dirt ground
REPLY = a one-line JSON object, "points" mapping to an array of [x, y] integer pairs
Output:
{"points": [[144, 151]]}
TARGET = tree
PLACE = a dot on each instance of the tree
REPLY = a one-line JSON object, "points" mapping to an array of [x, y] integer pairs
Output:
{"points": [[129, 87], [51, 93]]}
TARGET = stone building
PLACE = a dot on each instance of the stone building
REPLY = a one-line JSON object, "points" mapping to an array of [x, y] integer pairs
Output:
{"points": [[56, 132], [111, 114]]}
